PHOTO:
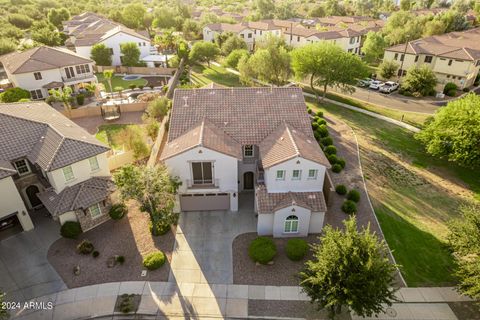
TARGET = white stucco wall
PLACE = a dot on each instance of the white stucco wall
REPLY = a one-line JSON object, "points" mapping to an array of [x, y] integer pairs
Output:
{"points": [[302, 185], [303, 215], [265, 224], [225, 169], [67, 216], [11, 202], [316, 222], [81, 171]]}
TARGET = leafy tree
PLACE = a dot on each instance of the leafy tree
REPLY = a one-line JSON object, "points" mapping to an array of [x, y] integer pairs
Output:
{"points": [[453, 20], [454, 131], [387, 69], [350, 269], [133, 15], [285, 10], [167, 41], [153, 188], [317, 12], [434, 27], [7, 46], [405, 5], [233, 42], [420, 81], [10, 31], [20, 20], [374, 46], [402, 26], [108, 75], [203, 51], [234, 57], [271, 65], [464, 240], [328, 65], [164, 18], [191, 29], [46, 33], [57, 16], [147, 22], [265, 8], [158, 108], [334, 8], [14, 95], [101, 55], [63, 95], [131, 54]]}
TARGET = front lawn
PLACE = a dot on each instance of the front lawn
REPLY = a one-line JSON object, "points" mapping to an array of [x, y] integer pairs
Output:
{"points": [[204, 75], [117, 81], [413, 194]]}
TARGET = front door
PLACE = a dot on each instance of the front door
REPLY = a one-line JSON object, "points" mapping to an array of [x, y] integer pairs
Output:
{"points": [[248, 181], [31, 192]]}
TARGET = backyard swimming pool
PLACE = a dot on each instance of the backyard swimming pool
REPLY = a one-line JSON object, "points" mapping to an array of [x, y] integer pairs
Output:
{"points": [[131, 77]]}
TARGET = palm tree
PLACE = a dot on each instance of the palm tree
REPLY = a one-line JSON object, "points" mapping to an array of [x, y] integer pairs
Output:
{"points": [[167, 42], [63, 95], [92, 87], [107, 75]]}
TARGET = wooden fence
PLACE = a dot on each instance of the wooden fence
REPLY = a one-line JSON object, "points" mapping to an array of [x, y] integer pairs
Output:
{"points": [[158, 71]]}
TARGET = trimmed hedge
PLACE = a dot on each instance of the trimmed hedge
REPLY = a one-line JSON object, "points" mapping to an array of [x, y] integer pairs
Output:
{"points": [[70, 229], [341, 162], [341, 189], [262, 250], [349, 207], [322, 131], [118, 211], [314, 126], [321, 121], [353, 195], [330, 150], [296, 249], [450, 89], [336, 168], [154, 260], [320, 114], [327, 141], [332, 158]]}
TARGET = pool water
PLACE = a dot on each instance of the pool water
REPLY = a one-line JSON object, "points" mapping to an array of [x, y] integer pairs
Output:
{"points": [[131, 78]]}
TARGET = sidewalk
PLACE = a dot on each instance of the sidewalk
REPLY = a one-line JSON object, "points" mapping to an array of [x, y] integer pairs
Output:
{"points": [[170, 299]]}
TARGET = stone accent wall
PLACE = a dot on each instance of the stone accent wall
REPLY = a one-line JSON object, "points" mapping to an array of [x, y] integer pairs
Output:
{"points": [[87, 222]]}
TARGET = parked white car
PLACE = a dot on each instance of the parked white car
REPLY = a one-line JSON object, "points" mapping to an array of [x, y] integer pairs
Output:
{"points": [[365, 82], [389, 87], [375, 84]]}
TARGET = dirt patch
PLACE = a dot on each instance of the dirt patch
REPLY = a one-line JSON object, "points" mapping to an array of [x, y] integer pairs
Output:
{"points": [[156, 81], [129, 237], [282, 273]]}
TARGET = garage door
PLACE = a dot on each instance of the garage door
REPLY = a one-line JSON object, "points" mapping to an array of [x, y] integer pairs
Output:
{"points": [[205, 201]]}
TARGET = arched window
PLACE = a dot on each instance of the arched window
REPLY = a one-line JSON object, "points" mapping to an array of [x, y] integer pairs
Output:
{"points": [[291, 224]]}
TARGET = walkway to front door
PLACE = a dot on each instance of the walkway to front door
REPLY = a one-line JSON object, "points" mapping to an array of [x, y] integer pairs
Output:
{"points": [[203, 246]]}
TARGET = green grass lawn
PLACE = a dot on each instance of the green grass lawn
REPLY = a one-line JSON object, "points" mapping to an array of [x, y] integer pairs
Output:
{"points": [[414, 195], [116, 135], [204, 75], [117, 81]]}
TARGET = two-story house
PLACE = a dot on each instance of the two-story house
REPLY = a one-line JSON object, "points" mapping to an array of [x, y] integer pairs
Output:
{"points": [[453, 57], [225, 141], [88, 29], [48, 160], [41, 69]]}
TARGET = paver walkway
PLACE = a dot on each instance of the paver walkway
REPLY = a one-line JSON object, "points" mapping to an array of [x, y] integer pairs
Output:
{"points": [[195, 300]]}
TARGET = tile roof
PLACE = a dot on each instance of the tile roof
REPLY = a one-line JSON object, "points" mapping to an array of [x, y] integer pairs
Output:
{"points": [[43, 135], [464, 45], [77, 197], [41, 58], [286, 143], [204, 134], [271, 202], [6, 169]]}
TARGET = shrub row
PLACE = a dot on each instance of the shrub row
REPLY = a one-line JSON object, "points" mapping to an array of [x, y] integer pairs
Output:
{"points": [[263, 249], [353, 196]]}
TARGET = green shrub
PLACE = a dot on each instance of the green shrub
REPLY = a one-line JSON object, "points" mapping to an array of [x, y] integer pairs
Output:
{"points": [[296, 249], [154, 260], [315, 118], [349, 207], [336, 168], [262, 250], [466, 89], [95, 254], [118, 211], [71, 229], [353, 195], [451, 93], [80, 99], [132, 86], [85, 247], [341, 189], [234, 57], [320, 114], [330, 150], [341, 162], [314, 126], [162, 228], [321, 121], [327, 141], [309, 111], [332, 158], [15, 95], [120, 259], [317, 136], [322, 131], [449, 88]]}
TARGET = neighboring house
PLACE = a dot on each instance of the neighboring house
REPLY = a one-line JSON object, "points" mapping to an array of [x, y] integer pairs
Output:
{"points": [[46, 159], [226, 141], [41, 69], [454, 57], [89, 29]]}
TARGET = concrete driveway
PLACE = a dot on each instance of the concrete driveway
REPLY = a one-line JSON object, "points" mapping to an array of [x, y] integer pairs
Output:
{"points": [[203, 246], [24, 269]]}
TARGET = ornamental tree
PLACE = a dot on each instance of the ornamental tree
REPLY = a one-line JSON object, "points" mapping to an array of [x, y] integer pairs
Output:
{"points": [[154, 190], [101, 55], [131, 54], [387, 69], [14, 95], [454, 132], [420, 81], [350, 268], [374, 46], [464, 240], [203, 51]]}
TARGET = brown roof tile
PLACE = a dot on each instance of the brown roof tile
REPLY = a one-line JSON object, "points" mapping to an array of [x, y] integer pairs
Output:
{"points": [[271, 202]]}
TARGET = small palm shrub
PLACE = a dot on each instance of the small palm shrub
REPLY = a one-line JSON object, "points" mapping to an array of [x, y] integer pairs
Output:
{"points": [[349, 207], [85, 247], [296, 249], [341, 189], [154, 260], [262, 250]]}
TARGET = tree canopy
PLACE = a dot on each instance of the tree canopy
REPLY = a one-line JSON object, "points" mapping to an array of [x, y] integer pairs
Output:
{"points": [[101, 55], [374, 46], [131, 54], [204, 51], [387, 69], [420, 81], [14, 95], [454, 132], [350, 268]]}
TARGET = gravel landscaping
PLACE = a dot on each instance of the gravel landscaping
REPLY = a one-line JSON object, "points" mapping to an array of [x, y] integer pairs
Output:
{"points": [[281, 273], [289, 309], [128, 237]]}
